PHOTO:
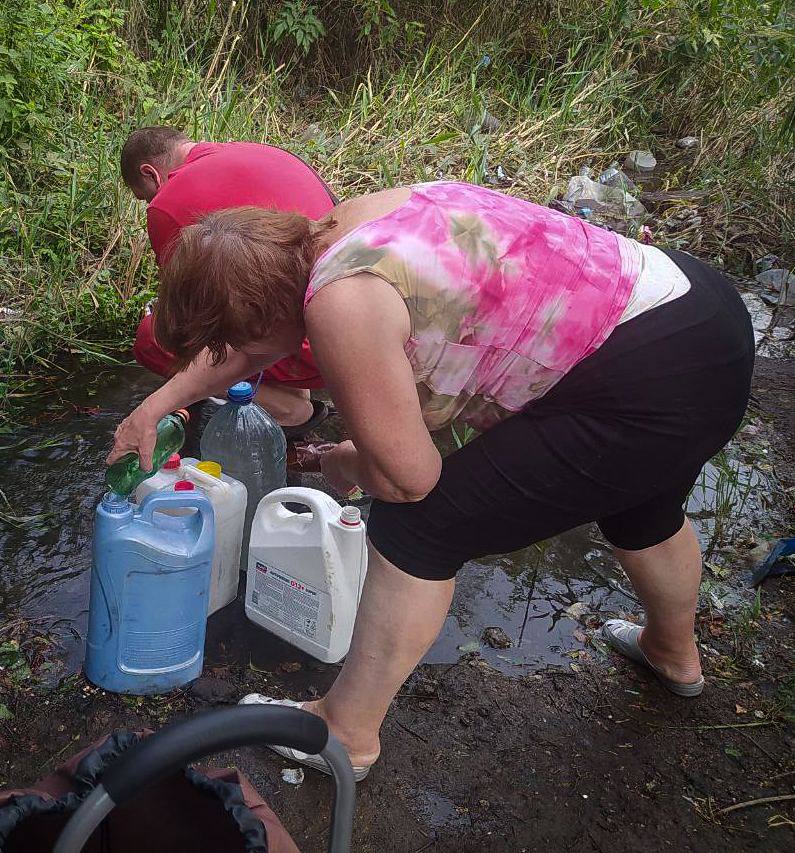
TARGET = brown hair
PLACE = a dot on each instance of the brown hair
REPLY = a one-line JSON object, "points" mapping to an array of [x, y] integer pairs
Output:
{"points": [[232, 278], [148, 145]]}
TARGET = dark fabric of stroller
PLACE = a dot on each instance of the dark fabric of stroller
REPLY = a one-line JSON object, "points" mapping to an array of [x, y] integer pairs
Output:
{"points": [[200, 810]]}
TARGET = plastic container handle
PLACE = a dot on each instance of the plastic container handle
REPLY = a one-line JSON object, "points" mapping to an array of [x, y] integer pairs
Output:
{"points": [[316, 500], [158, 501], [202, 478], [165, 753]]}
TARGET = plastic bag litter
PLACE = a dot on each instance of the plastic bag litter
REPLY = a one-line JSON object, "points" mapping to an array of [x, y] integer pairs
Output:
{"points": [[603, 204]]}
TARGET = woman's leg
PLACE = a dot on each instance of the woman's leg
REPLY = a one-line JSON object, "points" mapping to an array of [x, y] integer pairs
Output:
{"points": [[399, 617], [666, 578]]}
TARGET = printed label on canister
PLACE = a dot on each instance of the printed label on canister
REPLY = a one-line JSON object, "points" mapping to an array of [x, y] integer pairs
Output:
{"points": [[301, 608]]}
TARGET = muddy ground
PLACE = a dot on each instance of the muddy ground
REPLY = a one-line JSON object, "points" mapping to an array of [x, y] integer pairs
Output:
{"points": [[592, 755]]}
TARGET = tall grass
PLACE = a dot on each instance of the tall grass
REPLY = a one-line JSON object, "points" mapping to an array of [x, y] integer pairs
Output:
{"points": [[380, 95]]}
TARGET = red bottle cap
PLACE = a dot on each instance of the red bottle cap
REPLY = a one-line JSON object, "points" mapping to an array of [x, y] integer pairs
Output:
{"points": [[184, 486], [173, 462]]}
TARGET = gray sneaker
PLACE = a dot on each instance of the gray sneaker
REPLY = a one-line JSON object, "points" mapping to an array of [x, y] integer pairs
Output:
{"points": [[623, 637]]}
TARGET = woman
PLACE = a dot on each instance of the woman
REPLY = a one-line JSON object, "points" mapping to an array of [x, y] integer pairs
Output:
{"points": [[602, 374]]}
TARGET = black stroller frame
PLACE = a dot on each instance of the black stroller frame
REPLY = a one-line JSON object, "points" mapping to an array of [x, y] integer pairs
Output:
{"points": [[179, 744]]}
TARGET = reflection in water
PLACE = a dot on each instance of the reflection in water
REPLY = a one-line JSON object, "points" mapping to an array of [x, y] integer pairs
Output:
{"points": [[51, 475]]}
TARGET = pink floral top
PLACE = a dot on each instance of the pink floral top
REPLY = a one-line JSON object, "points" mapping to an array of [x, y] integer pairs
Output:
{"points": [[505, 296]]}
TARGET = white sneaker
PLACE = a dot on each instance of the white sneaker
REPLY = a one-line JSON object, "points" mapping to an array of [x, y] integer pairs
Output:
{"points": [[316, 762]]}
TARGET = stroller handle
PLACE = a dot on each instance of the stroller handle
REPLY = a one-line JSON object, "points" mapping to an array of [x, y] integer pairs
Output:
{"points": [[166, 752]]}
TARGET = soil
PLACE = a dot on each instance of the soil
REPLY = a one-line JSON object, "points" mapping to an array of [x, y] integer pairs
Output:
{"points": [[593, 756]]}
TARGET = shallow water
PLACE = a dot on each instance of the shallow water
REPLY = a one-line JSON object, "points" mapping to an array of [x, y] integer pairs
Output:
{"points": [[51, 475]]}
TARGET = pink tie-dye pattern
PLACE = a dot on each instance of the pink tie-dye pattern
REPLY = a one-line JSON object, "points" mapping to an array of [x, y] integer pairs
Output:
{"points": [[505, 296]]}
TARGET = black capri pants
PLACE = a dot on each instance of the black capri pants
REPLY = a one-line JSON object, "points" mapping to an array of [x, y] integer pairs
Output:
{"points": [[620, 440]]}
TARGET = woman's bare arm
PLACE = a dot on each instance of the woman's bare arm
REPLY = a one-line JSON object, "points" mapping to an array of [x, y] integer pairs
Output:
{"points": [[358, 328], [137, 432]]}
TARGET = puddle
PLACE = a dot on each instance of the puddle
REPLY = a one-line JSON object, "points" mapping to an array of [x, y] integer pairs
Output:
{"points": [[51, 476]]}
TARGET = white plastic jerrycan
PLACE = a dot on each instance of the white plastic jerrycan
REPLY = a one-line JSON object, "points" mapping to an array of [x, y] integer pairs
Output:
{"points": [[162, 479], [306, 571], [228, 497]]}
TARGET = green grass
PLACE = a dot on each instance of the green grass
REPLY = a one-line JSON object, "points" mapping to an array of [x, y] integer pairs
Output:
{"points": [[380, 95]]}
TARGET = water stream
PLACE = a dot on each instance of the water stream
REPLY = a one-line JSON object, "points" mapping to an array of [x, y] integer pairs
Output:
{"points": [[51, 476]]}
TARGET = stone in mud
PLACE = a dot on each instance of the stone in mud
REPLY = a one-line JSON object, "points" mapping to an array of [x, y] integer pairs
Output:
{"points": [[496, 638], [687, 142], [489, 123], [214, 691], [422, 685], [640, 161], [767, 262]]}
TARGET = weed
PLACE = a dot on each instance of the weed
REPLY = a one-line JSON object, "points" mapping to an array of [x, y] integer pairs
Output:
{"points": [[464, 436]]}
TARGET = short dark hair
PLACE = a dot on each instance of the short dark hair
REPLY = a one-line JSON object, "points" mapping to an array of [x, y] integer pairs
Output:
{"points": [[145, 145]]}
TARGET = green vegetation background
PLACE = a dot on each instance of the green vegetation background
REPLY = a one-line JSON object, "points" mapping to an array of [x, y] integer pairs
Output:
{"points": [[373, 93]]}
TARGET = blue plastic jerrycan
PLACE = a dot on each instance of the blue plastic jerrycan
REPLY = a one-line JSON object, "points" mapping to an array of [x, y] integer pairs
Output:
{"points": [[150, 587]]}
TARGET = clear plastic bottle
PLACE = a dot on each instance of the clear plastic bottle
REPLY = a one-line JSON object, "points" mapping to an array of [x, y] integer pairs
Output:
{"points": [[125, 475], [250, 447]]}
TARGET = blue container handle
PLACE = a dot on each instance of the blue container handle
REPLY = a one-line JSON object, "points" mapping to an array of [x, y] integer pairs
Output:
{"points": [[159, 501]]}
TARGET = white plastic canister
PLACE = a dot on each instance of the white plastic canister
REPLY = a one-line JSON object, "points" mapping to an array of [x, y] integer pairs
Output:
{"points": [[163, 479], [306, 571], [228, 497]]}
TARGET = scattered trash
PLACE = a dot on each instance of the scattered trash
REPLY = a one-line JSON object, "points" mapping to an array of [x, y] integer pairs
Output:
{"points": [[640, 162], [688, 142], [496, 178], [609, 206], [293, 776], [761, 316], [576, 610], [780, 561], [613, 176], [496, 638], [468, 648], [782, 281]]}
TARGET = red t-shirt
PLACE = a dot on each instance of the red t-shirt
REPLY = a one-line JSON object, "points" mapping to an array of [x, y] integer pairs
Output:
{"points": [[216, 176]]}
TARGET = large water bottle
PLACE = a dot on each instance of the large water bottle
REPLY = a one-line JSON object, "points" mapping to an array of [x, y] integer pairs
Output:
{"points": [[250, 447], [150, 585]]}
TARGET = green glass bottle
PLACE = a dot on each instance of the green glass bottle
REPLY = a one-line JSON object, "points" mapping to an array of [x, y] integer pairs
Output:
{"points": [[125, 475]]}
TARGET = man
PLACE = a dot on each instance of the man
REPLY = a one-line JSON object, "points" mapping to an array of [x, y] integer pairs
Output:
{"points": [[181, 180]]}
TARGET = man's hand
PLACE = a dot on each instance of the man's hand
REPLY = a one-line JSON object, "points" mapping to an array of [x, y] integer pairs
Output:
{"points": [[137, 433]]}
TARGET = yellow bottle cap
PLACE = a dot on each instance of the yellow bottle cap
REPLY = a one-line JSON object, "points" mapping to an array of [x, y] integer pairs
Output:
{"points": [[210, 468]]}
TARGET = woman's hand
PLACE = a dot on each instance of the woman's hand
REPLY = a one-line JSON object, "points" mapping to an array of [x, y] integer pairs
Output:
{"points": [[336, 464], [137, 433]]}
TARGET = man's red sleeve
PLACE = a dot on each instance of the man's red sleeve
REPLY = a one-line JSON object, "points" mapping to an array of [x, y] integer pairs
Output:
{"points": [[163, 230]]}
